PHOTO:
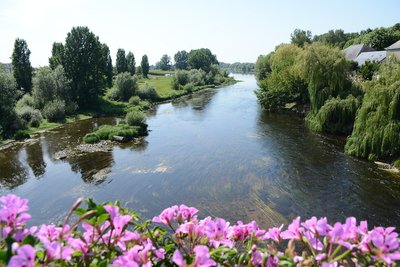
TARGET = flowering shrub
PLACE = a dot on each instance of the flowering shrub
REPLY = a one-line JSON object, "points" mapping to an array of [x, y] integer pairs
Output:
{"points": [[108, 234]]}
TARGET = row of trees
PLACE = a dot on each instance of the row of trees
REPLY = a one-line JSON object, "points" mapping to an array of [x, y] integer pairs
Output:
{"points": [[238, 67], [378, 38], [316, 78], [128, 64]]}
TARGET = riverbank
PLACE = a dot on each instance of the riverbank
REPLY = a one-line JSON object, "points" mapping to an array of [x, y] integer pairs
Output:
{"points": [[108, 107]]}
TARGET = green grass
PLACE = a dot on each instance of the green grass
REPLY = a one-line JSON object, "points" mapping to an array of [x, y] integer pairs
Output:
{"points": [[161, 72], [46, 125], [106, 132]]}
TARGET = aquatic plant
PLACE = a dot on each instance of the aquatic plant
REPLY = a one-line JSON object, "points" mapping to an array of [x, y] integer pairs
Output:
{"points": [[108, 234]]}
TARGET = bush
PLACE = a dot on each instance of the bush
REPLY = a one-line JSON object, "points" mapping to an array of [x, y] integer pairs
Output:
{"points": [[30, 115], [26, 100], [134, 100], [148, 92], [182, 77], [197, 77], [135, 118], [21, 134], [54, 110], [91, 138], [189, 87], [175, 84], [124, 87]]}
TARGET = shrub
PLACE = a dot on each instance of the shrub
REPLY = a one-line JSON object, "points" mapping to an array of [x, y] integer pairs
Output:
{"points": [[125, 86], [25, 113], [189, 87], [175, 84], [54, 110], [197, 77], [134, 100], [182, 77], [148, 92], [26, 100], [91, 138], [135, 118], [21, 134]]}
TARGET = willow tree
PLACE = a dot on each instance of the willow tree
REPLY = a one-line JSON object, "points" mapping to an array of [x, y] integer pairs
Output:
{"points": [[324, 68], [282, 84], [376, 132]]}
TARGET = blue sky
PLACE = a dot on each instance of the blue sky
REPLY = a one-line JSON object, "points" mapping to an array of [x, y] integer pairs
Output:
{"points": [[234, 30]]}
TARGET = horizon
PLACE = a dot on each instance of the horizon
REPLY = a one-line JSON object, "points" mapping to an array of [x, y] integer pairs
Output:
{"points": [[234, 31]]}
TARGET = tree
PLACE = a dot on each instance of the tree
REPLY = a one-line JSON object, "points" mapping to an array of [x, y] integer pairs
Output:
{"points": [[164, 63], [7, 101], [300, 37], [84, 66], [181, 60], [262, 67], [333, 37], [22, 68], [57, 54], [201, 59], [121, 61], [108, 65], [130, 61], [145, 66]]}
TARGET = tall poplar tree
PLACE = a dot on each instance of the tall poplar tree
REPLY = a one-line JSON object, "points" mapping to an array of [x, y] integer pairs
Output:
{"points": [[22, 68]]}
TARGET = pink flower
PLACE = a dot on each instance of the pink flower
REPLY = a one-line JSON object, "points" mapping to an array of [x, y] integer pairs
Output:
{"points": [[25, 257], [202, 257], [167, 216], [186, 213], [177, 258], [217, 231], [56, 250], [387, 243], [112, 210], [294, 230], [12, 212], [274, 234]]}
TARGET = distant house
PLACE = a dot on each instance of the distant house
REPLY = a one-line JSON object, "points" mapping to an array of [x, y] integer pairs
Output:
{"points": [[7, 66], [374, 56], [393, 50], [352, 52]]}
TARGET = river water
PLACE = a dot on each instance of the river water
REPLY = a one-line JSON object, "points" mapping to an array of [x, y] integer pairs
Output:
{"points": [[216, 150]]}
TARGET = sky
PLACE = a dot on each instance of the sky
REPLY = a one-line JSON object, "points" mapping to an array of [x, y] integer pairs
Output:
{"points": [[234, 30]]}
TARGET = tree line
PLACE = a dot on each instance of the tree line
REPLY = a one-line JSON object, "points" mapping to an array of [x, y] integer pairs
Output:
{"points": [[313, 77], [238, 67], [79, 74]]}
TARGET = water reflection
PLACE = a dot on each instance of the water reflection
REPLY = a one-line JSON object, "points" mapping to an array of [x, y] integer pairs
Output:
{"points": [[12, 171], [34, 158]]}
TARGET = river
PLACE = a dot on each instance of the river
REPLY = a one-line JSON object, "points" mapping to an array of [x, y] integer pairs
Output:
{"points": [[216, 150]]}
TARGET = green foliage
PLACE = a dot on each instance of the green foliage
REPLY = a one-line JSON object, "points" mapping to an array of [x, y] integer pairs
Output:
{"points": [[22, 68], [396, 163], [164, 63], [21, 135], [84, 66], [181, 60], [182, 77], [300, 37], [201, 59], [283, 84], [189, 87], [197, 77], [26, 100], [377, 124], [148, 92], [8, 94], [335, 116], [145, 67], [125, 86], [325, 69], [107, 132], [263, 67], [108, 65], [57, 55], [131, 63], [50, 84], [135, 118], [54, 110], [120, 62], [91, 138], [29, 115], [334, 38], [379, 38], [134, 100], [368, 70]]}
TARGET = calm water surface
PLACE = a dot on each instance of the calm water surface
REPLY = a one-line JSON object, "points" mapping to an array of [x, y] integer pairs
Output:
{"points": [[216, 150]]}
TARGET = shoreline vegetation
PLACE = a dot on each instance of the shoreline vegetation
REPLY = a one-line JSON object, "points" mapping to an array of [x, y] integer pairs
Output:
{"points": [[81, 82], [313, 77]]}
